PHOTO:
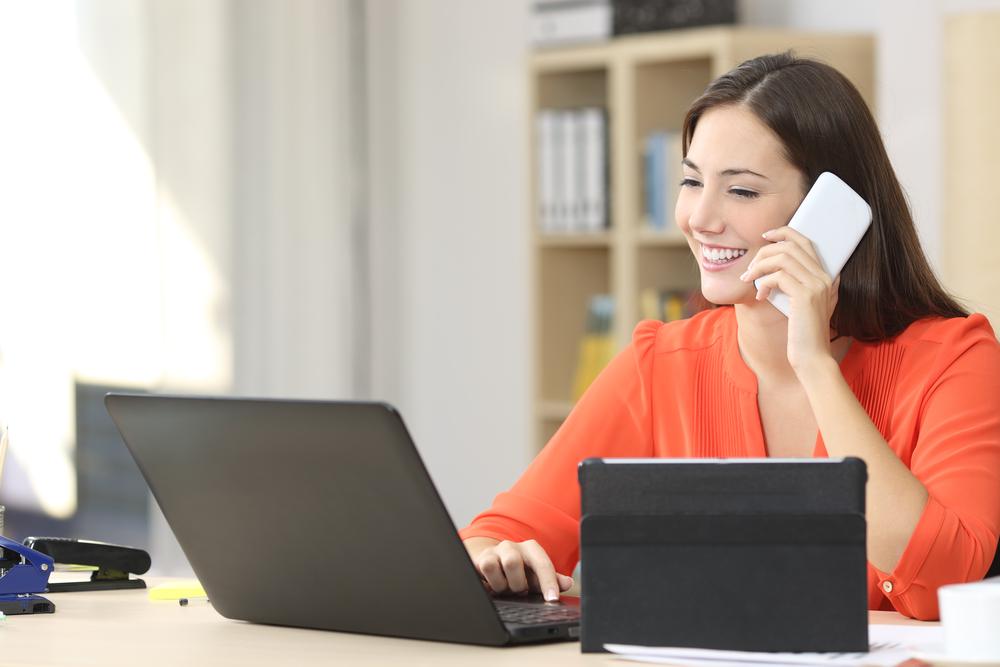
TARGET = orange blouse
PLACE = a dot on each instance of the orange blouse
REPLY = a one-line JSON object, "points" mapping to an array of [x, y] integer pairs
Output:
{"points": [[682, 390]]}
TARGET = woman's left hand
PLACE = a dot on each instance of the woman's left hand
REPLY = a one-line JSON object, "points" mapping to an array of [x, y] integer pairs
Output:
{"points": [[790, 263]]}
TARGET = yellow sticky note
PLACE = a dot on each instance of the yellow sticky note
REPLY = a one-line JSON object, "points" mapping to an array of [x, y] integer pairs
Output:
{"points": [[175, 590]]}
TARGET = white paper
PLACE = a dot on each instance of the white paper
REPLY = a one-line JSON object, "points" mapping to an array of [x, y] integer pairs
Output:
{"points": [[890, 645]]}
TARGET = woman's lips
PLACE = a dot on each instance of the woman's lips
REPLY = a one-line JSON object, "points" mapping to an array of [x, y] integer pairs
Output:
{"points": [[710, 265]]}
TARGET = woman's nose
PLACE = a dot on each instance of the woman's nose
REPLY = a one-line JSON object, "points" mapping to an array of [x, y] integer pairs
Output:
{"points": [[706, 216]]}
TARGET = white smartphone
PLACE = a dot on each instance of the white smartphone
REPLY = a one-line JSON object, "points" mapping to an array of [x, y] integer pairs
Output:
{"points": [[834, 217]]}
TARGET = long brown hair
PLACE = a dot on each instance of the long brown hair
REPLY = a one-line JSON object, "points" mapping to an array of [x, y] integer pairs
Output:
{"points": [[825, 125]]}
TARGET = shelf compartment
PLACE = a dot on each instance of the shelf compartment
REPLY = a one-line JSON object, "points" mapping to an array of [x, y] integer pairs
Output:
{"points": [[652, 238], [569, 278], [665, 90], [574, 240], [667, 268], [546, 427], [573, 89], [553, 410]]}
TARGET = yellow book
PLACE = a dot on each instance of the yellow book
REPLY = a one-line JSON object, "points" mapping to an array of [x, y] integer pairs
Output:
{"points": [[597, 346], [673, 307], [649, 304]]}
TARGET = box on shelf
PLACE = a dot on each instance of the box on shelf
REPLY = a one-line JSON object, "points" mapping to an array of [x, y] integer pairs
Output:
{"points": [[634, 16], [565, 22]]}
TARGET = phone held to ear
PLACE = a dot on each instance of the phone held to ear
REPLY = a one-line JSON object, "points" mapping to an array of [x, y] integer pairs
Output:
{"points": [[834, 217]]}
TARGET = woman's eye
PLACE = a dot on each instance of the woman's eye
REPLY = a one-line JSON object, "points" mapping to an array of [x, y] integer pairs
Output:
{"points": [[746, 194], [689, 183]]}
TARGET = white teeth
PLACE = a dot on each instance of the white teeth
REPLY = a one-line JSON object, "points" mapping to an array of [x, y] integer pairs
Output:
{"points": [[721, 255]]}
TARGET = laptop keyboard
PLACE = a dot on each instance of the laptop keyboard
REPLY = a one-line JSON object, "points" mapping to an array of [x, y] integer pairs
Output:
{"points": [[540, 614]]}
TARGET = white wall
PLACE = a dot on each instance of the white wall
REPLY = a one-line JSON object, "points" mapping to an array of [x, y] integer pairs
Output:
{"points": [[450, 196], [291, 168]]}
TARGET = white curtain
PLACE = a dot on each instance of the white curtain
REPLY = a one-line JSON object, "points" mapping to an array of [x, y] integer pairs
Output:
{"points": [[181, 209]]}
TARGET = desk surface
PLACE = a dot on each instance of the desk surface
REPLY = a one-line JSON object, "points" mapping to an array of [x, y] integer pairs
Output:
{"points": [[127, 628]]}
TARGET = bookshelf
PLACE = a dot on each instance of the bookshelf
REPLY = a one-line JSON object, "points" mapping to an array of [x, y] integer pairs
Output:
{"points": [[645, 83]]}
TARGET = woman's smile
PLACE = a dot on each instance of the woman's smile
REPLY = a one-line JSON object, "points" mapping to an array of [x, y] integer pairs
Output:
{"points": [[720, 258]]}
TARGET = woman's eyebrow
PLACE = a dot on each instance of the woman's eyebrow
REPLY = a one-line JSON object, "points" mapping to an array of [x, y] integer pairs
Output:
{"points": [[726, 172]]}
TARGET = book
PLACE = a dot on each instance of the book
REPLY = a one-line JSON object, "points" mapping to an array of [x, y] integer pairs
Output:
{"points": [[597, 347], [652, 178], [595, 161], [572, 159], [572, 170], [544, 142], [668, 305], [661, 164]]}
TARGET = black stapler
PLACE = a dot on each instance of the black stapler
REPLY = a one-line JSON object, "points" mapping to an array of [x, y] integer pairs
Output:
{"points": [[114, 563]]}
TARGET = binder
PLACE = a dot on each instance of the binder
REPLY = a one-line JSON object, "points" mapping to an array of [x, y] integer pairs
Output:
{"points": [[545, 140], [569, 169], [557, 212], [654, 175], [662, 173], [595, 199], [741, 554]]}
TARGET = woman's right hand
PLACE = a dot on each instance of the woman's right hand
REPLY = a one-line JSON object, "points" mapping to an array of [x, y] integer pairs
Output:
{"points": [[516, 567]]}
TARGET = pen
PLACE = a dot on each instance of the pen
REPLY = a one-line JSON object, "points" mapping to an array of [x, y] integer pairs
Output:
{"points": [[184, 601]]}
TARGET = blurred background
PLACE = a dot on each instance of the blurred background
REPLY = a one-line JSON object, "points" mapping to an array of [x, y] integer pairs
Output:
{"points": [[336, 199]]}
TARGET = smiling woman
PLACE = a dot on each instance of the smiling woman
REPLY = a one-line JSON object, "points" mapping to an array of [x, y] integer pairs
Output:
{"points": [[879, 363], [737, 183]]}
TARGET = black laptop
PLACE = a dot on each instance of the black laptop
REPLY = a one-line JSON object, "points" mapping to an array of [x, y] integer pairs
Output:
{"points": [[319, 515]]}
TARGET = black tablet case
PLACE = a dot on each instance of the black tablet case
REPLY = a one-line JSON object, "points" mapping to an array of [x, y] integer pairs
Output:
{"points": [[753, 555]]}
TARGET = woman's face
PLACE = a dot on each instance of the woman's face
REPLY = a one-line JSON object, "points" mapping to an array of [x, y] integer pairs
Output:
{"points": [[737, 185]]}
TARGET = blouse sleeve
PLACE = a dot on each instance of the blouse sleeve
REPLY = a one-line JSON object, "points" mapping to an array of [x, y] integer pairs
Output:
{"points": [[611, 419], [957, 458]]}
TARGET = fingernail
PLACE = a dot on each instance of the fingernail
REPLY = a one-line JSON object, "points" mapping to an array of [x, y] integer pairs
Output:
{"points": [[766, 233], [743, 276], [551, 595]]}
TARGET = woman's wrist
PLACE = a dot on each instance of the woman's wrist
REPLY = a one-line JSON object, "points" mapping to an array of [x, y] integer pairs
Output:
{"points": [[815, 374]]}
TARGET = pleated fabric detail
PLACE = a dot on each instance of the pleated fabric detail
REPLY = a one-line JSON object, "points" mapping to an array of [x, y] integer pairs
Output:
{"points": [[875, 384], [718, 412]]}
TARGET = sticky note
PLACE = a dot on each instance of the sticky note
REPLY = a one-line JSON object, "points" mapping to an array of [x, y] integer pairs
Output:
{"points": [[175, 590]]}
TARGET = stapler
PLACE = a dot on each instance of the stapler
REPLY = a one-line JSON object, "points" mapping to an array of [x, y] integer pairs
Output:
{"points": [[23, 573], [114, 563]]}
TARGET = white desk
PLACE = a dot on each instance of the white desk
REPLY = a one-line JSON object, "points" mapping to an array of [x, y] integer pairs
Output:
{"points": [[110, 628]]}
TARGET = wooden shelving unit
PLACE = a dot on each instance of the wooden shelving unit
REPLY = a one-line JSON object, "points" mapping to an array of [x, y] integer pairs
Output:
{"points": [[646, 83]]}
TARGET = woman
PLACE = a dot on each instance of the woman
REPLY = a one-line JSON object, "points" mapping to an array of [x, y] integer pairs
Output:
{"points": [[879, 364]]}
